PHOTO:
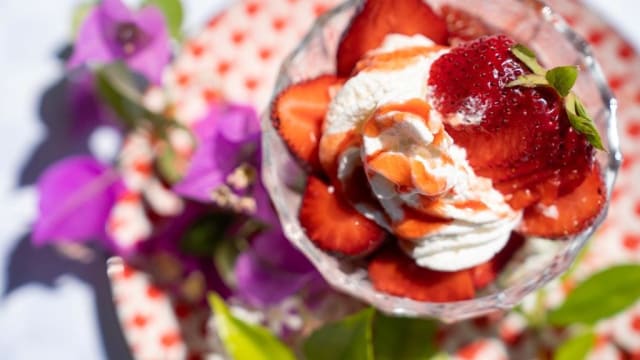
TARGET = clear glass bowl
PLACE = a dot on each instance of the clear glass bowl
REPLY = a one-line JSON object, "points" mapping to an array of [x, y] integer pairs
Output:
{"points": [[528, 21]]}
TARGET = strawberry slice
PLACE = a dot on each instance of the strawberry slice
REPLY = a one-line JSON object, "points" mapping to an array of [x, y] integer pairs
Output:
{"points": [[378, 18], [520, 137], [334, 225], [484, 274], [569, 214], [394, 273], [463, 26], [298, 114]]}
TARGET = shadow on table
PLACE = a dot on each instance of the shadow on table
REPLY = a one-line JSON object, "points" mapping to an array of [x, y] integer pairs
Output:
{"points": [[45, 265]]}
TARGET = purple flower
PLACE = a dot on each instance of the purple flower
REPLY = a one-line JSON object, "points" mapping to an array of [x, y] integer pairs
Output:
{"points": [[76, 197], [272, 270], [225, 166], [113, 32]]}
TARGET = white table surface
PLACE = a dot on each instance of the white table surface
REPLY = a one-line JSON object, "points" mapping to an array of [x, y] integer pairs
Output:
{"points": [[51, 308]]}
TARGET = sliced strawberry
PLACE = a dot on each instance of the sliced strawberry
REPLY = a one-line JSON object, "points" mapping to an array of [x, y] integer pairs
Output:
{"points": [[394, 273], [334, 225], [569, 214], [522, 138], [484, 274], [378, 18], [463, 26], [298, 114]]}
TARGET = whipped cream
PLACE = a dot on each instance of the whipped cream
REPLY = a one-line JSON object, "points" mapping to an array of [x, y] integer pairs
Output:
{"points": [[382, 122]]}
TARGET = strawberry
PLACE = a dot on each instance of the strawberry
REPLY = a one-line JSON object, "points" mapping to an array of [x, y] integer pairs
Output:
{"points": [[377, 18], [522, 139], [394, 273], [484, 274], [298, 114], [333, 224], [463, 26], [569, 214]]}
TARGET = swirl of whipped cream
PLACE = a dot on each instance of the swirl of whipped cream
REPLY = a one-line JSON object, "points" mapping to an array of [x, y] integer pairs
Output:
{"points": [[445, 216]]}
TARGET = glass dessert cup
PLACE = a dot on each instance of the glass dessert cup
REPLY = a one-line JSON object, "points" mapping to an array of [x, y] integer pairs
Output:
{"points": [[530, 22]]}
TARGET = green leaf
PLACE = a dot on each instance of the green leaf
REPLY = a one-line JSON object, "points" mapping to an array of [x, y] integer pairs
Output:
{"points": [[173, 14], [576, 348], [348, 339], [166, 162], [403, 338], [601, 296], [202, 237], [562, 78], [243, 340], [531, 80], [528, 57], [117, 87], [80, 13], [581, 122]]}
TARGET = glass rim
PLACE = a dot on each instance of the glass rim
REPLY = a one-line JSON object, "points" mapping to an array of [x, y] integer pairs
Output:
{"points": [[510, 296]]}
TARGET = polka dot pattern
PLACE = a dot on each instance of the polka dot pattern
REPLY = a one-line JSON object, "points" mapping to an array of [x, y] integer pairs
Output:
{"points": [[237, 56]]}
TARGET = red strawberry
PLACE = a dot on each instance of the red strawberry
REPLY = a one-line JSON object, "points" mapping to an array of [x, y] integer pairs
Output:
{"points": [[463, 26], [298, 114], [573, 212], [334, 225], [394, 273], [523, 140], [484, 274], [378, 18]]}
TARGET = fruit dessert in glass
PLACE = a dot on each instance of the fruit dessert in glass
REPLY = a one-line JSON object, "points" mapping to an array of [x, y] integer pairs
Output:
{"points": [[446, 172]]}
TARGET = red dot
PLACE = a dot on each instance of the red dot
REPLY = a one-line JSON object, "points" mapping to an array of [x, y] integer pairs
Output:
{"points": [[631, 242], [279, 23], [215, 21], [595, 37], [320, 9], [170, 339], [196, 49], [252, 8], [183, 80], [625, 51], [129, 197], [633, 128], [637, 209], [223, 67], [635, 323], [127, 272], [210, 95], [265, 53], [251, 83], [139, 321], [602, 340], [510, 336], [237, 37], [153, 292], [570, 20], [616, 82], [142, 167]]}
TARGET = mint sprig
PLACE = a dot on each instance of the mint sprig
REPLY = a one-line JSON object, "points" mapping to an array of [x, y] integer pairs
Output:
{"points": [[562, 79]]}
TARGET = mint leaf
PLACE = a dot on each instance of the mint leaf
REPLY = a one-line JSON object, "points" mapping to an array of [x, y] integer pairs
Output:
{"points": [[348, 339], [581, 122], [601, 296], [531, 80], [243, 340], [528, 57], [576, 347], [173, 14], [403, 338], [562, 78]]}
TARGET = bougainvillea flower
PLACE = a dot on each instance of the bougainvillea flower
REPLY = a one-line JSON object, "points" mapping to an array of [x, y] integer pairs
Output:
{"points": [[225, 166], [76, 196], [272, 270], [112, 31]]}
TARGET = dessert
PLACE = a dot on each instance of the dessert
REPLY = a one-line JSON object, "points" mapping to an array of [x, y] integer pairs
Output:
{"points": [[433, 161]]}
